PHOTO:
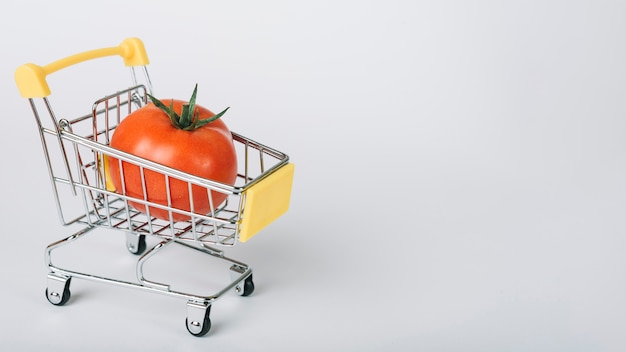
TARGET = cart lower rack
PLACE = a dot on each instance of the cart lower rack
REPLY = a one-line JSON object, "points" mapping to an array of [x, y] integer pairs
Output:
{"points": [[76, 153]]}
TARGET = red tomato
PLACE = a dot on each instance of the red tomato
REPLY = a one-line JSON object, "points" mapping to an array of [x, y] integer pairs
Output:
{"points": [[206, 151]]}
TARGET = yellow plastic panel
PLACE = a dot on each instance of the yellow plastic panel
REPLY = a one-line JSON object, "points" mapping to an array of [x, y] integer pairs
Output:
{"points": [[266, 201]]}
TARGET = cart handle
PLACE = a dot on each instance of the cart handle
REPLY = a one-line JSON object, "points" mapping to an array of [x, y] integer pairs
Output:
{"points": [[31, 78]]}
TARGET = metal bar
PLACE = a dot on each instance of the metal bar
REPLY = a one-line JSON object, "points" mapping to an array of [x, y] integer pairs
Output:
{"points": [[61, 146]]}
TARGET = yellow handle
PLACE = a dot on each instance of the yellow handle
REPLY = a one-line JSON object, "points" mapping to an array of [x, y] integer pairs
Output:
{"points": [[31, 78]]}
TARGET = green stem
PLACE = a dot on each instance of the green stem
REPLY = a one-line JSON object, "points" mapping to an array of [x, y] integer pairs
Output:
{"points": [[188, 119]]}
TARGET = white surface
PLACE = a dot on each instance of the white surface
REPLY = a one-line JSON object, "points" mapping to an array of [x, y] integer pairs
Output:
{"points": [[459, 184]]}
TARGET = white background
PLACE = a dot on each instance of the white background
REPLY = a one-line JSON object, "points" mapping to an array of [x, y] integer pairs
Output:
{"points": [[459, 183]]}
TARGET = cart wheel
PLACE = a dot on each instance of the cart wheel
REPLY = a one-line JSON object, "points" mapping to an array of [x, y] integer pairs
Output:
{"points": [[248, 287], [197, 328], [59, 298], [136, 244]]}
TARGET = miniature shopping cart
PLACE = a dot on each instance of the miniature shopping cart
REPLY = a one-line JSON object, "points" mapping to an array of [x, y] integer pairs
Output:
{"points": [[75, 151]]}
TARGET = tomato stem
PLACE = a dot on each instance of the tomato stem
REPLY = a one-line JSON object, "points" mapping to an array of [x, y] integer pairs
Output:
{"points": [[188, 119]]}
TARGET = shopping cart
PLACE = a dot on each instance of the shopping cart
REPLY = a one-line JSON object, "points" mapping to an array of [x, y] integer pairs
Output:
{"points": [[76, 151]]}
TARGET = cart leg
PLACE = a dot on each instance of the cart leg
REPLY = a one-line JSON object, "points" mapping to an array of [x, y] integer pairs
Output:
{"points": [[58, 290], [136, 244], [245, 287], [198, 321]]}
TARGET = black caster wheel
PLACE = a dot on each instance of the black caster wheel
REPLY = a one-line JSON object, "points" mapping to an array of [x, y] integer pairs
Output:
{"points": [[197, 328], [247, 288], [59, 298], [136, 244]]}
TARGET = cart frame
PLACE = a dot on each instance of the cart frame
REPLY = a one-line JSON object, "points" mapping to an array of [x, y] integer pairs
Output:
{"points": [[75, 152]]}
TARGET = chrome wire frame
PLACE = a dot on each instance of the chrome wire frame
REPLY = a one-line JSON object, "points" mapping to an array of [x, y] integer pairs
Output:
{"points": [[77, 166]]}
